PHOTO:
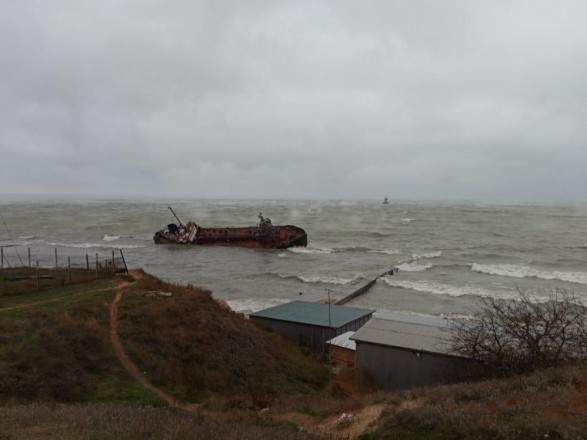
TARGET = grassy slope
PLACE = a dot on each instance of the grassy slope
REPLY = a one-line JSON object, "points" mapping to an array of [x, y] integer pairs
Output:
{"points": [[57, 348], [54, 345], [545, 404], [198, 349], [131, 422]]}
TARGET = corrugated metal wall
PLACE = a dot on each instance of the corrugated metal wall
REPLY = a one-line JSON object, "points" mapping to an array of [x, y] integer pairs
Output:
{"points": [[311, 336], [396, 369]]}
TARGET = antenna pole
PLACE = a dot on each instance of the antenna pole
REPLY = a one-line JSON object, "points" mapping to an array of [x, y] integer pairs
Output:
{"points": [[175, 215], [329, 306]]}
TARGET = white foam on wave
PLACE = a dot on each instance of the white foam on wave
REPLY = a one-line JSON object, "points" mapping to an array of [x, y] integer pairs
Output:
{"points": [[434, 254], [325, 279], [407, 220], [95, 245], [26, 237], [252, 305], [518, 271], [441, 289], [384, 251], [110, 237], [414, 267], [308, 250]]}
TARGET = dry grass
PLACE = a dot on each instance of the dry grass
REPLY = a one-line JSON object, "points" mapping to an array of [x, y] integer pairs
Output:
{"points": [[23, 280], [126, 422], [546, 404], [195, 348], [187, 344], [62, 353]]}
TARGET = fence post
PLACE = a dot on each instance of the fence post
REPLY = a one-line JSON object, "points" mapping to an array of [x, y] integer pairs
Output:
{"points": [[38, 275], [69, 268], [1, 258], [97, 266], [124, 261], [87, 262], [56, 258], [29, 253], [113, 263]]}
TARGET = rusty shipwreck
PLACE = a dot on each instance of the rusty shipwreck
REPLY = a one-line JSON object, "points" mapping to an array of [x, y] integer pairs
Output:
{"points": [[263, 235]]}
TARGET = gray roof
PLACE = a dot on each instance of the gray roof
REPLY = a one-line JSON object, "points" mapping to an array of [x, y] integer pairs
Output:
{"points": [[313, 313], [408, 335], [413, 318], [344, 340]]}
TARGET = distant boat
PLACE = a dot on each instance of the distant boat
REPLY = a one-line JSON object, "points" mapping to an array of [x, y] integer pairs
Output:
{"points": [[385, 201]]}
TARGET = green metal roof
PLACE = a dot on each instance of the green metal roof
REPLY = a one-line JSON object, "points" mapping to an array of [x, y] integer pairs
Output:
{"points": [[313, 313]]}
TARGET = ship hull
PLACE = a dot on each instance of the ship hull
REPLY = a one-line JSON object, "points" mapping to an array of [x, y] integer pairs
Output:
{"points": [[281, 237]]}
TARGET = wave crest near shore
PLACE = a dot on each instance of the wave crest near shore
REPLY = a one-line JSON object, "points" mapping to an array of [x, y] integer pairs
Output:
{"points": [[414, 267], [518, 271], [95, 245], [439, 288], [324, 279], [309, 250]]}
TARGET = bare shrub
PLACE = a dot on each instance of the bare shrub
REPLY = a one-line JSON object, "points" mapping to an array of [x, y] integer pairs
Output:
{"points": [[521, 334]]}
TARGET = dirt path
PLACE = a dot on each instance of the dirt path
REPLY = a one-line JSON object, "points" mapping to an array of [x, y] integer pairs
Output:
{"points": [[128, 364], [349, 425]]}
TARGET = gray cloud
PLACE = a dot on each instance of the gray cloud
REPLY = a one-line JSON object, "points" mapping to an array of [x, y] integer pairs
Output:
{"points": [[294, 99]]}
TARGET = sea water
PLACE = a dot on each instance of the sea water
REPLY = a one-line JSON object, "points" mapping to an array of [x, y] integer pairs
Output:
{"points": [[449, 254]]}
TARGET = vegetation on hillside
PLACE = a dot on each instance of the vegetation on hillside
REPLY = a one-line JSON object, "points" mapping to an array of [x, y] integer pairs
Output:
{"points": [[546, 404], [521, 334], [54, 346], [57, 363], [131, 422], [197, 348]]}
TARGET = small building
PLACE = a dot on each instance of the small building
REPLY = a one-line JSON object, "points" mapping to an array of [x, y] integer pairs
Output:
{"points": [[409, 352], [341, 349], [312, 324]]}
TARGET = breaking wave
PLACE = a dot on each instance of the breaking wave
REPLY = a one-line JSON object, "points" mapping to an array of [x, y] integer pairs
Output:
{"points": [[319, 279], [517, 271], [110, 237], [95, 245], [407, 220], [439, 288], [435, 254], [414, 267], [254, 304], [384, 251], [308, 250], [26, 237], [352, 249]]}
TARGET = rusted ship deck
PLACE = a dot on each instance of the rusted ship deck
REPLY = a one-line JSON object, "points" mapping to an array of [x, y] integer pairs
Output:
{"points": [[264, 235]]}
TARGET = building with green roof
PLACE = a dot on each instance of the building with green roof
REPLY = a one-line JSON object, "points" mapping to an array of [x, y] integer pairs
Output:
{"points": [[312, 324]]}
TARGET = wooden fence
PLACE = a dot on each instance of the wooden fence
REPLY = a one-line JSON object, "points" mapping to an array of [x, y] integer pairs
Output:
{"points": [[98, 263]]}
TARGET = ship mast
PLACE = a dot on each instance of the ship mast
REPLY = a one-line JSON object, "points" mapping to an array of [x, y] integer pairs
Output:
{"points": [[175, 215]]}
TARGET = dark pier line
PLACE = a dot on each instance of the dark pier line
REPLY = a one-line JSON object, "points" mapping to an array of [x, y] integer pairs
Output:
{"points": [[364, 289]]}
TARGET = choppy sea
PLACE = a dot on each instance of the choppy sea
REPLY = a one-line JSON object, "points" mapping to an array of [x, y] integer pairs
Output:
{"points": [[449, 254]]}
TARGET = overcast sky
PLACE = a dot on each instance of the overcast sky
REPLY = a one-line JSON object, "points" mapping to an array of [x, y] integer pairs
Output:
{"points": [[317, 99]]}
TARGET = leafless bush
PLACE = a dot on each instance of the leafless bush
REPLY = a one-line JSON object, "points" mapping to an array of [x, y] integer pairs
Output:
{"points": [[521, 334]]}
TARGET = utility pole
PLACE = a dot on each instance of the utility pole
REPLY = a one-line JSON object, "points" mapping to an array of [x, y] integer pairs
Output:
{"points": [[329, 308]]}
